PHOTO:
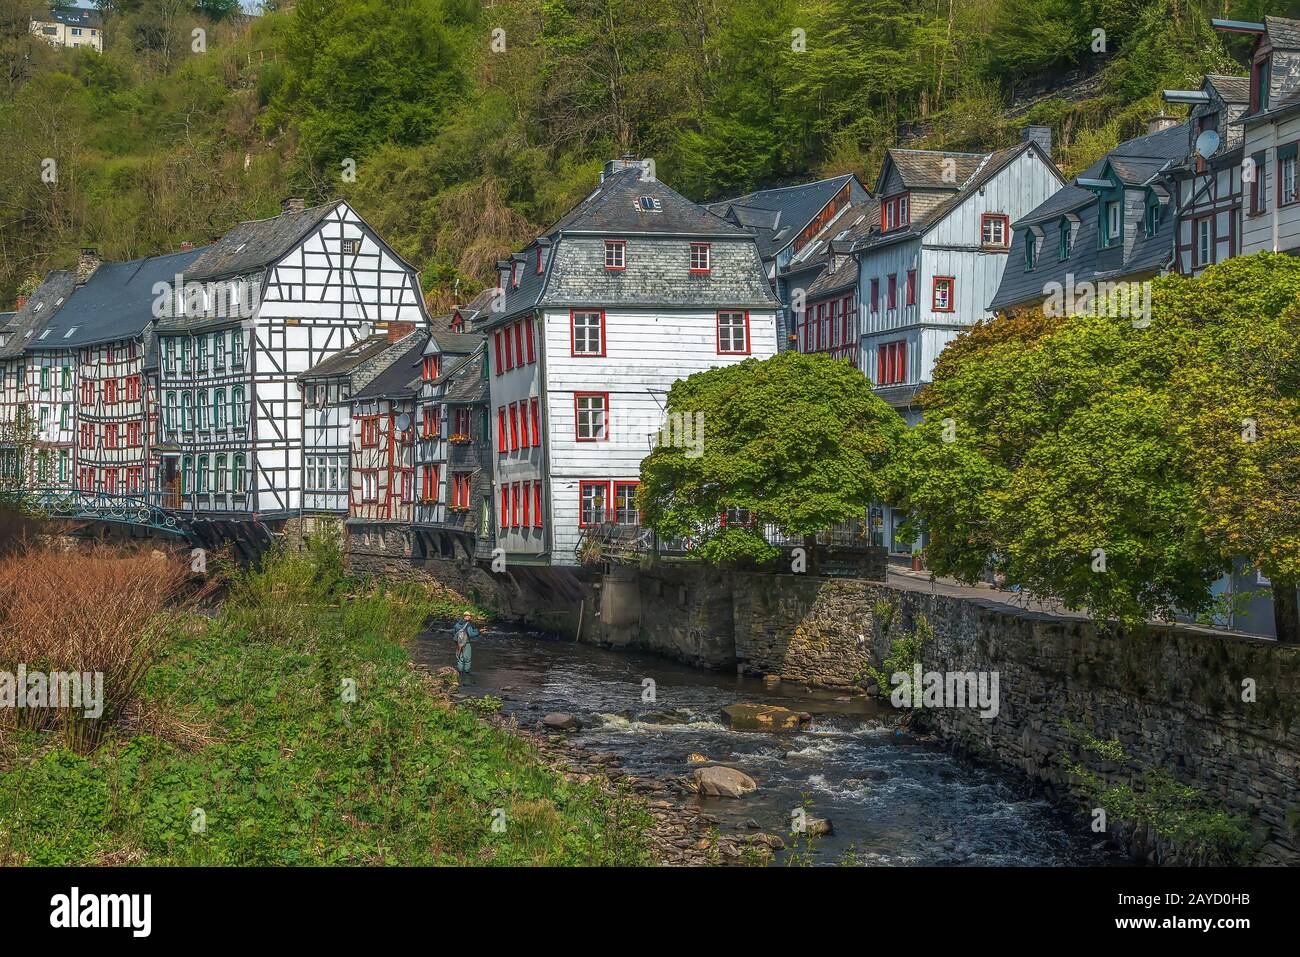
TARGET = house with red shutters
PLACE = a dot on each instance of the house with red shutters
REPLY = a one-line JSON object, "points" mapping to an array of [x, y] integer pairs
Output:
{"points": [[634, 288]]}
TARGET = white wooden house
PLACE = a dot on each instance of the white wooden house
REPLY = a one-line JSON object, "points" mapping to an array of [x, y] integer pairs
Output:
{"points": [[266, 302], [632, 289], [1271, 220]]}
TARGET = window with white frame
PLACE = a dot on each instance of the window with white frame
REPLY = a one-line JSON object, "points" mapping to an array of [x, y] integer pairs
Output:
{"points": [[615, 254]]}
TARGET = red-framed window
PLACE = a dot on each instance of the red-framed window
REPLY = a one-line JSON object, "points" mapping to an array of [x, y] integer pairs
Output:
{"points": [[537, 503], [502, 443], [87, 392], [625, 510], [528, 335], [505, 507], [514, 426], [833, 323], [587, 332], [892, 290], [733, 333], [891, 362], [514, 504], [942, 298], [701, 258], [615, 255], [509, 351], [430, 368], [134, 431], [110, 391], [875, 295], [514, 274], [429, 484], [462, 421], [911, 287], [460, 489], [430, 421], [539, 260], [593, 500], [590, 416], [849, 317], [995, 230], [537, 429], [496, 338], [110, 481], [369, 431], [527, 499], [135, 479], [895, 212]]}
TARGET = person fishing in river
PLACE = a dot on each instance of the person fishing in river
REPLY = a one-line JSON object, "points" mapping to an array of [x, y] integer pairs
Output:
{"points": [[464, 633]]}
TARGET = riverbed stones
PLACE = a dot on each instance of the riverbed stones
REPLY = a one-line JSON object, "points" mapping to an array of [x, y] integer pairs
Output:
{"points": [[818, 826], [562, 721], [764, 717], [717, 781]]}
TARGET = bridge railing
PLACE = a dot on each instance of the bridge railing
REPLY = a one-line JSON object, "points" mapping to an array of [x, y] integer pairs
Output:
{"points": [[102, 506]]}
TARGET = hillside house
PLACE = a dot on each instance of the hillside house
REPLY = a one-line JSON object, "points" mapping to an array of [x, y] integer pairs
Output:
{"points": [[70, 27]]}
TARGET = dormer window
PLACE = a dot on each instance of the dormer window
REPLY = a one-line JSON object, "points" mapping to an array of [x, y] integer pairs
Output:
{"points": [[648, 204], [895, 212], [514, 274], [1031, 250], [1065, 242], [1152, 218], [1112, 223], [615, 254], [1260, 80]]}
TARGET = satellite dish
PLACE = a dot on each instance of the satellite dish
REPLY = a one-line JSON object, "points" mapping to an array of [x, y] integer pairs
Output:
{"points": [[403, 422], [1206, 144]]}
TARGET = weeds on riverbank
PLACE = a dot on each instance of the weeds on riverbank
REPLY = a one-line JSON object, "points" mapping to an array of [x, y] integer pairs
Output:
{"points": [[321, 744], [1193, 828]]}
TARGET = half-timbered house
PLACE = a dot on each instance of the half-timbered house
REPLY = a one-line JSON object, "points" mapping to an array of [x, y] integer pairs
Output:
{"points": [[106, 328], [453, 508], [266, 302], [381, 486], [26, 460], [632, 289], [1208, 189]]}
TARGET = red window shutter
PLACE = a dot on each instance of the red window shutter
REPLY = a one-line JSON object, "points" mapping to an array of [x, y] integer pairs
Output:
{"points": [[900, 360], [501, 430], [880, 364], [537, 504], [537, 432], [527, 502], [532, 354], [514, 505], [514, 426], [893, 290], [505, 507], [496, 338], [523, 425], [519, 343], [875, 296], [911, 287]]}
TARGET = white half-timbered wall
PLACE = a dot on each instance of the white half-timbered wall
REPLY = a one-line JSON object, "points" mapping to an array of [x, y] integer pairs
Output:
{"points": [[1209, 224], [13, 404], [327, 423], [316, 301], [51, 401], [206, 390]]}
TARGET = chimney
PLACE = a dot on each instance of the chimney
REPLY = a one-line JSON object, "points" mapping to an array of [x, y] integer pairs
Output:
{"points": [[292, 204], [1161, 121], [628, 161], [1042, 135], [187, 246], [87, 263], [399, 330]]}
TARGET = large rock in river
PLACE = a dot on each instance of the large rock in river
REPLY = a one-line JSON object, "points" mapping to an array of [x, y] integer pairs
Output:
{"points": [[561, 721], [764, 717], [718, 781]]}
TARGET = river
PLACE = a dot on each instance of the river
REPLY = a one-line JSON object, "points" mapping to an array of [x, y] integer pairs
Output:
{"points": [[893, 798]]}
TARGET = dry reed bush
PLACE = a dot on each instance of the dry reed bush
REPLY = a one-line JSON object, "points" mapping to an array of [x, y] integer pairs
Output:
{"points": [[96, 611]]}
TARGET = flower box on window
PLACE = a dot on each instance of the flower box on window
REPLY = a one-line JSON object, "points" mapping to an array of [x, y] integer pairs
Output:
{"points": [[459, 439]]}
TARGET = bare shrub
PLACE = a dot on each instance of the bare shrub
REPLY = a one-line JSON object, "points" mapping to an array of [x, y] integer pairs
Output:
{"points": [[97, 611]]}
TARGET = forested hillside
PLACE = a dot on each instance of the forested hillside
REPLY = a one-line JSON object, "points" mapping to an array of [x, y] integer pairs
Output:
{"points": [[469, 124]]}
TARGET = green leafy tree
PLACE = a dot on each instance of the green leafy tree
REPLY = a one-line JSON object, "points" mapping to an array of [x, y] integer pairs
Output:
{"points": [[798, 441]]}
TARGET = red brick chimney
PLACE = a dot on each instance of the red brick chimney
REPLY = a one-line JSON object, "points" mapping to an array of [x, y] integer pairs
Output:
{"points": [[186, 246], [399, 330]]}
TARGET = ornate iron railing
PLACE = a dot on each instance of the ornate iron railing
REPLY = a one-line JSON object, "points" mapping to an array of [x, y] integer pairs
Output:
{"points": [[101, 506]]}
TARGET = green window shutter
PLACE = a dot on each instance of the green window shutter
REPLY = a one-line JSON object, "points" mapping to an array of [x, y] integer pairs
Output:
{"points": [[1287, 152]]}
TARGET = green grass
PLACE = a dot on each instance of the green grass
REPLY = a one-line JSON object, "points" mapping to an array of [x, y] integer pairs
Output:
{"points": [[286, 771]]}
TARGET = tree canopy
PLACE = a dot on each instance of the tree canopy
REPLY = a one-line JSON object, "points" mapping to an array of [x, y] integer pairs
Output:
{"points": [[797, 441]]}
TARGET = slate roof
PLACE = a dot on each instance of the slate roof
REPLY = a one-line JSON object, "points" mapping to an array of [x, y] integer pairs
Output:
{"points": [[991, 164], [464, 381], [1231, 89], [256, 244], [833, 280], [1142, 257], [855, 224], [457, 343], [73, 17], [475, 310], [1283, 32], [341, 363], [402, 376], [925, 169], [43, 304], [613, 208], [116, 302], [777, 216]]}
